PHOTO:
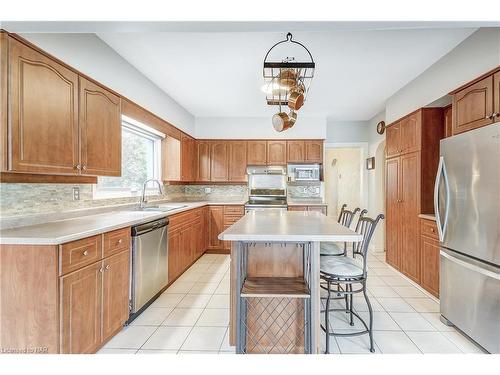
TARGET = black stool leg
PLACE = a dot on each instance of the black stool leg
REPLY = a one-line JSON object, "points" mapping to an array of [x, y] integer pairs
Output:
{"points": [[370, 330], [350, 305], [327, 325]]}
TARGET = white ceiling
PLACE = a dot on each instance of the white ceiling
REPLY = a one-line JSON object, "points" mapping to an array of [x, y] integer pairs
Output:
{"points": [[219, 74]]}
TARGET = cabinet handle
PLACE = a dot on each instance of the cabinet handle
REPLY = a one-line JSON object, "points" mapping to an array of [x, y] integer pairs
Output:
{"points": [[101, 270], [120, 241], [84, 167], [495, 115], [432, 230], [78, 167], [107, 266], [85, 253]]}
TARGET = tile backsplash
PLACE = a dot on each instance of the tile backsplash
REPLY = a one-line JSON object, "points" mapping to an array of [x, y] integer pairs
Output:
{"points": [[305, 191], [28, 199]]}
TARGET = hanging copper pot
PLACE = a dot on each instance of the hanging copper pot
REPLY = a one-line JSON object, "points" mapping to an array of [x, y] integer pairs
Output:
{"points": [[287, 78], [283, 121]]}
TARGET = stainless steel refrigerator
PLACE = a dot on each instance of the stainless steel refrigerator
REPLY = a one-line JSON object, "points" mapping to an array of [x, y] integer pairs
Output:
{"points": [[467, 206]]}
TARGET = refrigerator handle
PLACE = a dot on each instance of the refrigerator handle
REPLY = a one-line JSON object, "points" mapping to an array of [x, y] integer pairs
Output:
{"points": [[441, 173]]}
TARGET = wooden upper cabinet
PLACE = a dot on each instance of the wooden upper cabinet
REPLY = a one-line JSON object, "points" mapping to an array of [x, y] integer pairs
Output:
{"points": [[410, 133], [81, 303], [257, 152], [313, 151], [295, 151], [473, 106], [171, 159], [219, 161], [43, 119], [100, 130], [237, 161], [496, 96], [188, 169], [393, 140], [115, 310], [276, 152], [448, 125], [203, 160]]}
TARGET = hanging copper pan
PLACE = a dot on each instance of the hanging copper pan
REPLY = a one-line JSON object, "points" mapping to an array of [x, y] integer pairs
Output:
{"points": [[283, 121], [296, 97]]}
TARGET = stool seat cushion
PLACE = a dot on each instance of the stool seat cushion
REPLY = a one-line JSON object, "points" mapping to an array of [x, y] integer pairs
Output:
{"points": [[341, 267], [331, 248]]}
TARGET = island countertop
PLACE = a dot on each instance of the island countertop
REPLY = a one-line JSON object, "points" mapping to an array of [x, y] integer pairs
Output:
{"points": [[288, 226]]}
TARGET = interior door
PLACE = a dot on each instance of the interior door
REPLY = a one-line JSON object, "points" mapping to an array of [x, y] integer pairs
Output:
{"points": [[410, 234], [392, 211], [43, 117], [471, 165], [100, 130]]}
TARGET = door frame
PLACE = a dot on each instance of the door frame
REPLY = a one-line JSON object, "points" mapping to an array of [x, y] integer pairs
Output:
{"points": [[363, 146]]}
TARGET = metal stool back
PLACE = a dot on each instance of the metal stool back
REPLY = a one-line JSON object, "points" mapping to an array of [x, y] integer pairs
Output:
{"points": [[346, 216], [366, 227]]}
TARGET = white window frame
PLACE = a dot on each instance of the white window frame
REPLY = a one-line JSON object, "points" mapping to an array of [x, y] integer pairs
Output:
{"points": [[150, 133]]}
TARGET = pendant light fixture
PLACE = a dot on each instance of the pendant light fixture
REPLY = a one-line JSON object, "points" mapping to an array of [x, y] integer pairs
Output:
{"points": [[287, 83]]}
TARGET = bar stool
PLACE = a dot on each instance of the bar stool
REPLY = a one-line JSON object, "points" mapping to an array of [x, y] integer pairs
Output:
{"points": [[345, 218], [344, 272]]}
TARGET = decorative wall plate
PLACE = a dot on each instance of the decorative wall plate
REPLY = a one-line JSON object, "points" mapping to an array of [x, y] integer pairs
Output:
{"points": [[381, 127]]}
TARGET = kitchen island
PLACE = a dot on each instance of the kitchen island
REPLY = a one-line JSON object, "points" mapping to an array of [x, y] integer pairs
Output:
{"points": [[275, 304]]}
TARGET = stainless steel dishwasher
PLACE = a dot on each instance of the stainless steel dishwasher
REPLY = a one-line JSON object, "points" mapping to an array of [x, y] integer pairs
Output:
{"points": [[149, 268]]}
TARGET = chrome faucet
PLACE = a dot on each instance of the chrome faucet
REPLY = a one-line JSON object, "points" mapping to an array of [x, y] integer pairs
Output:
{"points": [[143, 198]]}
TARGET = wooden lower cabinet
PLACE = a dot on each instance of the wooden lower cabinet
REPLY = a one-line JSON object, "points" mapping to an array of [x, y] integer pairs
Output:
{"points": [[429, 255], [322, 209], [174, 248], [81, 310], [215, 227], [115, 309]]}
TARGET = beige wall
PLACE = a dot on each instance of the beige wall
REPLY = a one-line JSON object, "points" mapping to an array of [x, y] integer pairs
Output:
{"points": [[343, 179]]}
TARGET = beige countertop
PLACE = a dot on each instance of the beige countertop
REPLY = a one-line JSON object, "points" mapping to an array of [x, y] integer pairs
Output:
{"points": [[288, 226], [427, 216], [62, 231]]}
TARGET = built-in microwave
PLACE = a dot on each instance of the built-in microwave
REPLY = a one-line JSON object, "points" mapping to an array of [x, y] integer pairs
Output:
{"points": [[304, 172]]}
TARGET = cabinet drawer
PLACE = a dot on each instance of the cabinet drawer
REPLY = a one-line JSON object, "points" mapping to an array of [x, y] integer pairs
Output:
{"points": [[231, 219], [116, 241], [234, 210], [77, 254], [428, 228], [178, 220]]}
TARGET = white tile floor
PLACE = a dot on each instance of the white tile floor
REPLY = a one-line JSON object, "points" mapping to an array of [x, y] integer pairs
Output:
{"points": [[192, 316]]}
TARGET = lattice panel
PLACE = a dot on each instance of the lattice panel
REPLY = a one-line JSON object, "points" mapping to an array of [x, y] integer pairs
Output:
{"points": [[275, 325]]}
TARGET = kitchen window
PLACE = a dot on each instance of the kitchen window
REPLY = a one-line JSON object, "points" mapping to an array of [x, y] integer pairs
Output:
{"points": [[141, 160]]}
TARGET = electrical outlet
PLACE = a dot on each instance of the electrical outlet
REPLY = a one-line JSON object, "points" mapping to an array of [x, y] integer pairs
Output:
{"points": [[76, 193], [208, 190]]}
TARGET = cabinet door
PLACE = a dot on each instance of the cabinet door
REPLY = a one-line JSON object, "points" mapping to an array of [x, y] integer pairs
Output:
{"points": [[295, 151], [473, 106], [496, 96], [314, 151], [174, 247], [409, 224], [448, 124], [276, 152], [297, 208], [257, 152], [393, 140], [392, 211], [238, 161], [219, 161], [81, 310], [43, 117], [215, 226], [429, 251], [205, 228], [226, 245], [100, 130], [115, 310], [198, 227], [186, 158], [203, 161], [410, 133]]}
